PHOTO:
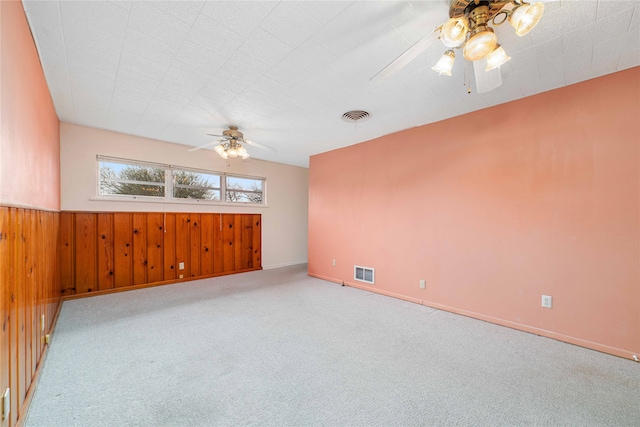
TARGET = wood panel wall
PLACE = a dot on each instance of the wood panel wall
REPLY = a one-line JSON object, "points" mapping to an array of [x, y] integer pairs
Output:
{"points": [[106, 251], [29, 290]]}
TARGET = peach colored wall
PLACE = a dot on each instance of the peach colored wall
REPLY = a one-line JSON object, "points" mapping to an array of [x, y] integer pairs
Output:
{"points": [[496, 208], [29, 127]]}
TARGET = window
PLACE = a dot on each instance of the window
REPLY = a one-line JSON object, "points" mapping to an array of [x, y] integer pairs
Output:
{"points": [[247, 190], [195, 185], [132, 179]]}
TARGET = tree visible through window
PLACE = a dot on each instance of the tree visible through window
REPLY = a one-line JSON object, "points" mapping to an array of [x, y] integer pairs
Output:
{"points": [[121, 178], [194, 185], [244, 190], [131, 180]]}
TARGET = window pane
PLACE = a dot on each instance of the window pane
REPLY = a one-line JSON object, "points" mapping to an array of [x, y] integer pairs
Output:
{"points": [[246, 184], [132, 180], [195, 185], [244, 190]]}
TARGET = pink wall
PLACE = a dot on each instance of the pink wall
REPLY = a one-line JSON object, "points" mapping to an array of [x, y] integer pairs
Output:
{"points": [[496, 208], [29, 126]]}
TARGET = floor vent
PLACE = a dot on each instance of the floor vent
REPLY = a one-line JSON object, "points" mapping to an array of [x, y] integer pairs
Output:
{"points": [[363, 274]]}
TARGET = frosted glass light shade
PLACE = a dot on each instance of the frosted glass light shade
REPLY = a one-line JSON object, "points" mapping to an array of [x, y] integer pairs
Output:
{"points": [[242, 152], [454, 31], [480, 45], [220, 150], [445, 63], [231, 149], [496, 58], [525, 17]]}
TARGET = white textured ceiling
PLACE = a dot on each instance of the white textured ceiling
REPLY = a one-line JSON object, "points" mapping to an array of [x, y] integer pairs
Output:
{"points": [[286, 71]]}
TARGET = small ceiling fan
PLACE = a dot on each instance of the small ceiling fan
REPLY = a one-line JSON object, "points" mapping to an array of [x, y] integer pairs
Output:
{"points": [[468, 29], [230, 144]]}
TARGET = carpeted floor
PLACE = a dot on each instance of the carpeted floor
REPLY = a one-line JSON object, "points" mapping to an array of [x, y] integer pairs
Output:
{"points": [[278, 348]]}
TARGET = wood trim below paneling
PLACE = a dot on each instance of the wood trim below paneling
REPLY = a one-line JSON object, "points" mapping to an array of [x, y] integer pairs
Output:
{"points": [[149, 285]]}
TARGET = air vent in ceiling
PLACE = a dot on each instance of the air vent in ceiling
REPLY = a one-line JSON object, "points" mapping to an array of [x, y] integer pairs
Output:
{"points": [[363, 274], [355, 116]]}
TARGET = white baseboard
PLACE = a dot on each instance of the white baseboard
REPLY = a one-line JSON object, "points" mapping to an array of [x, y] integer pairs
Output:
{"points": [[286, 264]]}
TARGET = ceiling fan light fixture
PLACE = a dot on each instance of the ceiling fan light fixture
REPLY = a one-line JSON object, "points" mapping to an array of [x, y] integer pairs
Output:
{"points": [[232, 151], [221, 151], [232, 144], [481, 43], [242, 152], [454, 32], [470, 28], [496, 58], [525, 17], [445, 63]]}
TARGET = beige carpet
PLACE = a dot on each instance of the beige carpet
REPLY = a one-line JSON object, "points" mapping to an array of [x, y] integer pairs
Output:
{"points": [[277, 348]]}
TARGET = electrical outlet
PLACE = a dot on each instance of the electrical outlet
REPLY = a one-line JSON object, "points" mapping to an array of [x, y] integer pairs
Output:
{"points": [[547, 301], [334, 262], [181, 276], [6, 404], [181, 266], [423, 284]]}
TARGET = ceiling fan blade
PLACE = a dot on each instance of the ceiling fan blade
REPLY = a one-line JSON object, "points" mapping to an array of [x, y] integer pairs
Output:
{"points": [[219, 136], [406, 57], [486, 81], [203, 146], [264, 147]]}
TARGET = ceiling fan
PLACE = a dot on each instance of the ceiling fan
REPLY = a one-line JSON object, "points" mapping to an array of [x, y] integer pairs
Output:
{"points": [[230, 144], [468, 29]]}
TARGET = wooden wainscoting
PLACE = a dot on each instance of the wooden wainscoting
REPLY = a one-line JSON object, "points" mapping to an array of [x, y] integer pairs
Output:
{"points": [[29, 299], [104, 252]]}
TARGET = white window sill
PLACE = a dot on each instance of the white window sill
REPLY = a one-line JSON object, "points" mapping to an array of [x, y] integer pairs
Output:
{"points": [[143, 199]]}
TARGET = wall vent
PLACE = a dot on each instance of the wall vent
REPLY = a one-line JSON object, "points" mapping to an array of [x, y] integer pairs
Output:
{"points": [[363, 274]]}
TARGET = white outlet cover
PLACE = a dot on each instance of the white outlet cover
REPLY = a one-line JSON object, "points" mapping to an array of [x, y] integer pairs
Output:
{"points": [[181, 266], [423, 284], [547, 301]]}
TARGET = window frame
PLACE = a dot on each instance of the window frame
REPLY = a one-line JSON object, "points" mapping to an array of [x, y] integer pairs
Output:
{"points": [[262, 193], [202, 171], [169, 187], [127, 162]]}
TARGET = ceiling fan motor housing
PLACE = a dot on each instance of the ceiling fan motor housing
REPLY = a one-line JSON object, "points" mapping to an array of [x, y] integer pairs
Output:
{"points": [[233, 133], [460, 8]]}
